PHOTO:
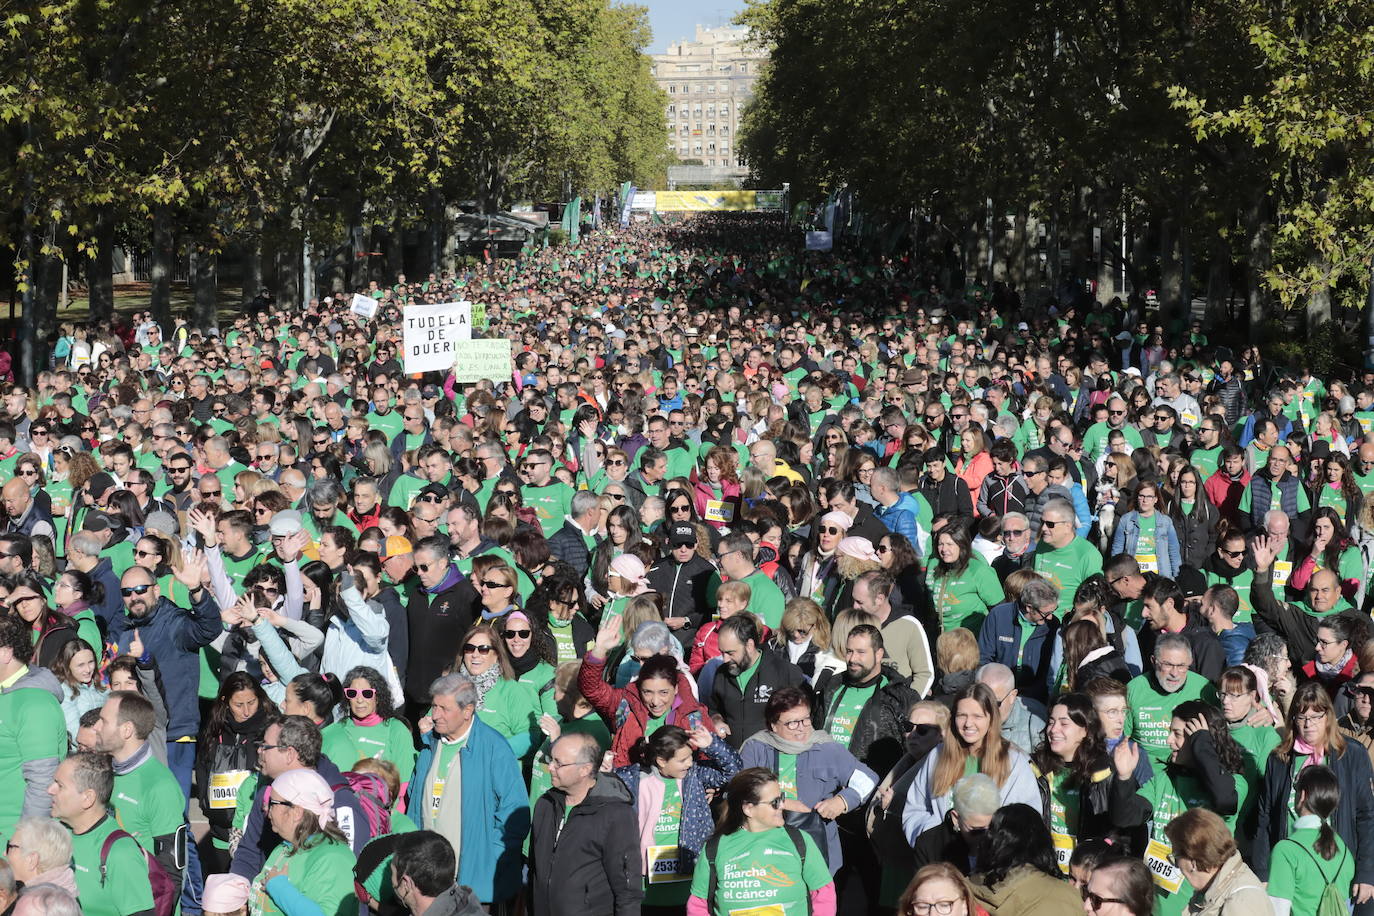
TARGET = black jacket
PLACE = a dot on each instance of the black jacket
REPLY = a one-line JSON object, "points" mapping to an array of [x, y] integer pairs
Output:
{"points": [[568, 545], [590, 862], [437, 623], [878, 739], [1094, 820], [1353, 818], [948, 497], [744, 714], [1209, 658], [944, 843], [683, 587], [1197, 532], [233, 752]]}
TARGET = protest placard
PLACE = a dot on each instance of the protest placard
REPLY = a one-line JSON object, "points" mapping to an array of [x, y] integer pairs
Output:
{"points": [[479, 359], [430, 333], [363, 306]]}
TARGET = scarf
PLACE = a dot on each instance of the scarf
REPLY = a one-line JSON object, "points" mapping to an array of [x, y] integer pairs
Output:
{"points": [[1314, 757], [448, 820], [133, 761], [496, 615], [367, 721], [796, 748], [1327, 672], [451, 578], [652, 789], [483, 682]]}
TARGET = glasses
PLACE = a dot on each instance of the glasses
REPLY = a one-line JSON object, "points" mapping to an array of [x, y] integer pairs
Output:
{"points": [[273, 747], [147, 553], [470, 648], [1095, 901], [942, 907], [29, 472], [177, 470], [555, 764], [1117, 413], [795, 723], [517, 634], [1049, 524], [131, 590], [831, 529], [1233, 554], [277, 802], [1014, 532], [680, 507], [775, 802], [532, 465], [353, 693], [39, 431], [494, 583]]}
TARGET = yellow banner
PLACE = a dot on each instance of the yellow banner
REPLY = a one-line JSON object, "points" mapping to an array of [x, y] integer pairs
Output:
{"points": [[679, 201]]}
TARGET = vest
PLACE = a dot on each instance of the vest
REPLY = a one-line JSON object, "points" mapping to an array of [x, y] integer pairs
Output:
{"points": [[1262, 496]]}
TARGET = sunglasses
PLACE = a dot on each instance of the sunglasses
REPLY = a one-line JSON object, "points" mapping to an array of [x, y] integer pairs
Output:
{"points": [[353, 693], [469, 648], [830, 529], [517, 634], [494, 583], [131, 590], [615, 463], [1095, 901]]}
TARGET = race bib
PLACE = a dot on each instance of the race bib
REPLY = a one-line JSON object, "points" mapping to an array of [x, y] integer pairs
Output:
{"points": [[664, 862], [1063, 850], [437, 796], [1365, 423], [1282, 570], [1166, 874], [1149, 562], [224, 789], [1188, 418], [722, 512]]}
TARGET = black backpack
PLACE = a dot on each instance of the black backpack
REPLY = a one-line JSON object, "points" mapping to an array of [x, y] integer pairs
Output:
{"points": [[712, 846]]}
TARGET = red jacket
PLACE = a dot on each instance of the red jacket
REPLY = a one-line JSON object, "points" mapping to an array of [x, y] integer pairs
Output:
{"points": [[624, 711], [1225, 493]]}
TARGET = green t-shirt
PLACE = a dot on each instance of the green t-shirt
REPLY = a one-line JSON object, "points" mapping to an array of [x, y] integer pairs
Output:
{"points": [[1151, 710], [962, 599], [765, 598], [126, 888], [666, 882], [787, 774], [1299, 874], [1170, 793], [322, 870], [1099, 434], [391, 423], [405, 489], [761, 873], [550, 504], [1206, 460], [1067, 567], [148, 802], [513, 709], [563, 640], [844, 711], [347, 742], [32, 727], [1241, 582]]}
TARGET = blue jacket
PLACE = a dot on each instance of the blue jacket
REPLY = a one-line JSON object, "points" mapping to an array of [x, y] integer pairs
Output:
{"points": [[999, 640], [496, 806], [112, 605], [697, 823], [824, 770], [1081, 510], [900, 518], [1166, 541], [174, 636]]}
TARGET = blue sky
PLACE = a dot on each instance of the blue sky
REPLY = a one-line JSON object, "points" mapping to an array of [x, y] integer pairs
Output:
{"points": [[675, 19]]}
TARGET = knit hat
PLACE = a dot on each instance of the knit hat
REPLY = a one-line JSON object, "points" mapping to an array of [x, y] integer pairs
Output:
{"points": [[305, 789], [161, 522], [285, 523]]}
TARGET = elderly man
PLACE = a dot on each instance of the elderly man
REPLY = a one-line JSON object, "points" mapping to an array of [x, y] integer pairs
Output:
{"points": [[467, 788], [24, 515], [1022, 634], [1275, 486], [574, 541], [1062, 557], [585, 833], [1297, 622], [40, 852], [1153, 695], [957, 838], [1023, 718]]}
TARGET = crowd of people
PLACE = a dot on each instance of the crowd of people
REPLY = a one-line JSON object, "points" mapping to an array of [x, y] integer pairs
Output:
{"points": [[769, 583]]}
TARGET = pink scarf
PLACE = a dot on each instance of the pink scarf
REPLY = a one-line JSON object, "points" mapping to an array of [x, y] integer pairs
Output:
{"points": [[1314, 756], [368, 721], [1262, 682]]}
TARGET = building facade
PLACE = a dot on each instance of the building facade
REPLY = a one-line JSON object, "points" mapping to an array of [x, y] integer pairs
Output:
{"points": [[708, 80]]}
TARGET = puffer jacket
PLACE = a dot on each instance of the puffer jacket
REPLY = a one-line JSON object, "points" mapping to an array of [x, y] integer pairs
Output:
{"points": [[360, 639], [174, 637], [1197, 532], [625, 713]]}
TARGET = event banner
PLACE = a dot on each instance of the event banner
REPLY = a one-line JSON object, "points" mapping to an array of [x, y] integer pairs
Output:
{"points": [[688, 201], [819, 240], [431, 334], [483, 359]]}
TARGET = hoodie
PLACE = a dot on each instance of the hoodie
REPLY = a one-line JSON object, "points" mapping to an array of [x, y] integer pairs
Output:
{"points": [[586, 860], [32, 724]]}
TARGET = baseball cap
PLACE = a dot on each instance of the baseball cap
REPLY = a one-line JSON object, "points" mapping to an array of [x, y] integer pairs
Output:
{"points": [[163, 522], [682, 534], [285, 523], [395, 546], [100, 483], [97, 521]]}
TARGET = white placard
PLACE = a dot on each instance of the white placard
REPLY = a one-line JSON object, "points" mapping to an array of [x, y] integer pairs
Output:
{"points": [[819, 241], [430, 332], [363, 306]]}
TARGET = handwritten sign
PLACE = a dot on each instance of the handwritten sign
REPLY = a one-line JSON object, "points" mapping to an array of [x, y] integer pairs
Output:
{"points": [[483, 359], [431, 333]]}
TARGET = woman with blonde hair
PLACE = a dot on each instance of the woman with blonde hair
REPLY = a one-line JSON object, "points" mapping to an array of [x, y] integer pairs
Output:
{"points": [[956, 662], [973, 738], [803, 634], [510, 707], [939, 888], [974, 461]]}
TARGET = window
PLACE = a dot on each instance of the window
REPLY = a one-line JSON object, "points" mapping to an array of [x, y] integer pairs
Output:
{"points": [[697, 149], [672, 110], [672, 90], [710, 162], [725, 130], [711, 88], [743, 67], [724, 109], [710, 147]]}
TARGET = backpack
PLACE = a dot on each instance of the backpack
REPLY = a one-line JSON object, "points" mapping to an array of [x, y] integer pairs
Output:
{"points": [[166, 893], [712, 846], [1332, 902], [372, 795]]}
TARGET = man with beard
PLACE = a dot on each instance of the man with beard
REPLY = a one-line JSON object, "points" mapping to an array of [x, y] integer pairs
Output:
{"points": [[1154, 694], [865, 707], [748, 675]]}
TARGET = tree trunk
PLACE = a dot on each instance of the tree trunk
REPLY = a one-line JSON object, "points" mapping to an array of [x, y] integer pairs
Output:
{"points": [[289, 271], [252, 256], [161, 271], [436, 218], [1259, 237], [395, 249], [1218, 278], [1170, 265], [1319, 301], [100, 267], [205, 305]]}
